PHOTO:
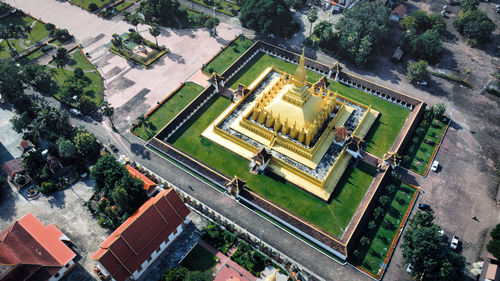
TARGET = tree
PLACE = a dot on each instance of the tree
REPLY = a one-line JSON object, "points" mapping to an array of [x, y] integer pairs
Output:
{"points": [[121, 198], [66, 149], [361, 30], [38, 76], [378, 212], [11, 81], [364, 241], [495, 233], [427, 46], [117, 41], [61, 57], [199, 276], [85, 144], [71, 88], [391, 189], [62, 35], [93, 7], [175, 274], [384, 200], [86, 105], [494, 248], [33, 161], [438, 110], [211, 23], [135, 20], [106, 167], [268, 17], [474, 25], [78, 73], [163, 11], [469, 5], [372, 225], [137, 195], [11, 31], [312, 16], [35, 130], [417, 72], [154, 30], [108, 111], [429, 255]]}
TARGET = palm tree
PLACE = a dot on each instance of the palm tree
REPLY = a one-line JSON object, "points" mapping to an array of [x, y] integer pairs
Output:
{"points": [[11, 32], [154, 30], [117, 41], [108, 111], [27, 30], [36, 129], [144, 121], [312, 16], [211, 23], [61, 57], [135, 21]]}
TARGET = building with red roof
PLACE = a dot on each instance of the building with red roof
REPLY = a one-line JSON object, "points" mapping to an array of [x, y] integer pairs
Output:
{"points": [[136, 244], [148, 184], [30, 250]]}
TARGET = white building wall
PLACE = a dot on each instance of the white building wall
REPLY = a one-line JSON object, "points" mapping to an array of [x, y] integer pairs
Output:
{"points": [[61, 271], [163, 246]]}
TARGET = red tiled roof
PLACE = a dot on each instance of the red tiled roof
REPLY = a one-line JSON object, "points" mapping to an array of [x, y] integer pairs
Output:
{"points": [[136, 174], [26, 144], [132, 243], [400, 11], [36, 249], [12, 167]]}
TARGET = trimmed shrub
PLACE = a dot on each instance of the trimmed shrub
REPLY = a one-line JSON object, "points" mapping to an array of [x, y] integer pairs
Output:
{"points": [[93, 7]]}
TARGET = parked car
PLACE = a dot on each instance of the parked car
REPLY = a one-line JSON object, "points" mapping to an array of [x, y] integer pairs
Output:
{"points": [[112, 147], [454, 242], [409, 269], [75, 111], [424, 207], [435, 166]]}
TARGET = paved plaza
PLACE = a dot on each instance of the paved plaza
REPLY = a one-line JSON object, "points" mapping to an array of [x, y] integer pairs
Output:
{"points": [[130, 88]]}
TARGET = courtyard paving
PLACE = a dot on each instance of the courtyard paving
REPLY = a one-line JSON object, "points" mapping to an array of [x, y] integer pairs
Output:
{"points": [[130, 88], [65, 210]]}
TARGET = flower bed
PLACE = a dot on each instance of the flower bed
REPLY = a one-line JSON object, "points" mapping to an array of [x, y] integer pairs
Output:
{"points": [[219, 238]]}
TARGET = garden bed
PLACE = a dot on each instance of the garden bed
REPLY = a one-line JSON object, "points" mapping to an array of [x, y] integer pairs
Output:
{"points": [[250, 259], [221, 6], [93, 81], [168, 109], [378, 239], [424, 144], [228, 55], [219, 238], [127, 53]]}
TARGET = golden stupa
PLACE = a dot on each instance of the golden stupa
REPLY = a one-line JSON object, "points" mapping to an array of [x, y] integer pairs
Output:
{"points": [[296, 119]]}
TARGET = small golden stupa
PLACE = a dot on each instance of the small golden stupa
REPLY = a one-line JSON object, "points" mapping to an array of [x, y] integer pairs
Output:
{"points": [[293, 108]]}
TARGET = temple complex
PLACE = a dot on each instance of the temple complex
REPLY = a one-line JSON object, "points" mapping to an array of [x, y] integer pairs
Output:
{"points": [[301, 131]]}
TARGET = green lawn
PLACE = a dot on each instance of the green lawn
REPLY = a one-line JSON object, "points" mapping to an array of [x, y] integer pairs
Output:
{"points": [[418, 154], [170, 108], [37, 33], [258, 63], [372, 255], [225, 58], [226, 7], [333, 217], [383, 132], [124, 5], [86, 3], [386, 128], [94, 79], [199, 259]]}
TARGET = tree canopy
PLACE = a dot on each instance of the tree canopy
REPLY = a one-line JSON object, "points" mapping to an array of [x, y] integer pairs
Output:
{"points": [[162, 11], [11, 81], [361, 31], [494, 245], [268, 16], [474, 25], [429, 254]]}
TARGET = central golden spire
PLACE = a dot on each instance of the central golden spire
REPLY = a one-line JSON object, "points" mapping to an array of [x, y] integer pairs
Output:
{"points": [[300, 76]]}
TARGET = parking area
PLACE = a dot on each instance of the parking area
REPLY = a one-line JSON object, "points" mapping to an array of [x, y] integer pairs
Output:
{"points": [[64, 209]]}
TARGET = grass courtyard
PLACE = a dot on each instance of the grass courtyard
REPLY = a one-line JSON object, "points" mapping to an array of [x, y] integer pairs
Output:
{"points": [[37, 33], [371, 255], [93, 80], [170, 108], [199, 259], [383, 132], [332, 217], [225, 58], [422, 146]]}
